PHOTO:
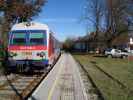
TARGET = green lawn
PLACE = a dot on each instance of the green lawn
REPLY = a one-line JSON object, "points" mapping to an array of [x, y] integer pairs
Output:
{"points": [[120, 69]]}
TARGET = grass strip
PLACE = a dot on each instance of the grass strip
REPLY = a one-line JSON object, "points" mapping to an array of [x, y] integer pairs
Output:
{"points": [[110, 89]]}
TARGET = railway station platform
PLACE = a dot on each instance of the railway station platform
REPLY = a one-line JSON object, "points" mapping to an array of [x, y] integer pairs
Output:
{"points": [[62, 83]]}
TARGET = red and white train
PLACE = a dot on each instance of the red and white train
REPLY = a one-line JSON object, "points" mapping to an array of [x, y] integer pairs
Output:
{"points": [[31, 46]]}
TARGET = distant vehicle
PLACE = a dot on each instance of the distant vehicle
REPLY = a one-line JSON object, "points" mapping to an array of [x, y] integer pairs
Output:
{"points": [[116, 53], [124, 53], [31, 47]]}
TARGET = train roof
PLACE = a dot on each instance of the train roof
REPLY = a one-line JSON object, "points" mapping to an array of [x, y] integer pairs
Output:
{"points": [[30, 26]]}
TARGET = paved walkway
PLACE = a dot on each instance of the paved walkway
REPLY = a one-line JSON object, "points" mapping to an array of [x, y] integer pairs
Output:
{"points": [[62, 83]]}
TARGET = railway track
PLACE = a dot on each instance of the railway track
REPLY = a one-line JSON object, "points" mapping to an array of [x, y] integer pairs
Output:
{"points": [[123, 86], [97, 90], [20, 86]]}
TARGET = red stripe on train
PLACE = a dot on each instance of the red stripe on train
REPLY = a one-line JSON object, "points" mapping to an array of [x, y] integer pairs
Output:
{"points": [[27, 47]]}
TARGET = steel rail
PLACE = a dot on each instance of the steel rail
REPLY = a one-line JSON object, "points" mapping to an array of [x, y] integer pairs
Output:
{"points": [[97, 90]]}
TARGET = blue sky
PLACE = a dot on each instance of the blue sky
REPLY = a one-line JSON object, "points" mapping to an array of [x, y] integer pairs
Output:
{"points": [[63, 17]]}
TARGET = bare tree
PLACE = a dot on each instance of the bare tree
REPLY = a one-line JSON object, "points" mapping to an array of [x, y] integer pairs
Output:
{"points": [[94, 16], [115, 16], [93, 13], [112, 13]]}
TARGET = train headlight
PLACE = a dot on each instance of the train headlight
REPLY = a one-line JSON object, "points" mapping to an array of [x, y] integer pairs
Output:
{"points": [[41, 54]]}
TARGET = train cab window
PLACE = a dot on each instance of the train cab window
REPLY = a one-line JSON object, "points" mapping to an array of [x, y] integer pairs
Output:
{"points": [[19, 39], [37, 39]]}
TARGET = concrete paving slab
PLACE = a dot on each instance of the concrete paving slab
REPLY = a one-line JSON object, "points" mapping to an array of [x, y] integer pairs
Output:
{"points": [[62, 83]]}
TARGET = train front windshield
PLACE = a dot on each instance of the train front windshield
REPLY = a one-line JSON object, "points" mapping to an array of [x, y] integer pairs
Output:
{"points": [[18, 38], [28, 38], [37, 38]]}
